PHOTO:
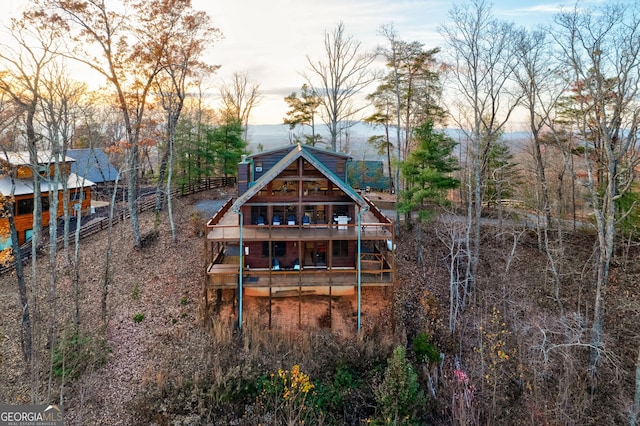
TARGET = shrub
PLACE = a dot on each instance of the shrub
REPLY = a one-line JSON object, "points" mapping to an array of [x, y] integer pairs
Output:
{"points": [[286, 397], [135, 294], [424, 350], [399, 394], [75, 354], [333, 397], [137, 318]]}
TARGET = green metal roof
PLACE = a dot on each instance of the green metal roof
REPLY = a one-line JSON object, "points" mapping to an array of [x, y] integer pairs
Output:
{"points": [[298, 151]]}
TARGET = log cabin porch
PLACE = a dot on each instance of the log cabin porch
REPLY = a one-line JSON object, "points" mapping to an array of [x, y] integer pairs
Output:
{"points": [[326, 281]]}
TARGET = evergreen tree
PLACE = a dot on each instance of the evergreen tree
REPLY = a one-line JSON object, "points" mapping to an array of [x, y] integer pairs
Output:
{"points": [[399, 395], [502, 174], [427, 175], [193, 151], [302, 112], [227, 146], [427, 171]]}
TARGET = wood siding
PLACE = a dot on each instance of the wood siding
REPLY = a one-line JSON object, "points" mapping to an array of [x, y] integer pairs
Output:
{"points": [[24, 221]]}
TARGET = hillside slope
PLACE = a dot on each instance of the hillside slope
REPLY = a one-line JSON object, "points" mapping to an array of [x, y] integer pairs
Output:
{"points": [[518, 354]]}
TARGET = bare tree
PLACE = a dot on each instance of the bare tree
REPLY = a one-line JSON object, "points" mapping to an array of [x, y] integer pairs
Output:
{"points": [[10, 114], [537, 75], [239, 98], [482, 67], [635, 410], [337, 78], [23, 83], [452, 234], [115, 43], [392, 55], [601, 47], [188, 31]]}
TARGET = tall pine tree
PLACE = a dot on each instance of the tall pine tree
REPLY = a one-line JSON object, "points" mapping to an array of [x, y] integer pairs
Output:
{"points": [[427, 173]]}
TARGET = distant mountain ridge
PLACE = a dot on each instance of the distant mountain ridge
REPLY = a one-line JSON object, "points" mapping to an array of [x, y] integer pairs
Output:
{"points": [[353, 141]]}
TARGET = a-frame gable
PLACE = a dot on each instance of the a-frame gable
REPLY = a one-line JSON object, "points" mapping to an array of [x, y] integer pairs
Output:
{"points": [[286, 161]]}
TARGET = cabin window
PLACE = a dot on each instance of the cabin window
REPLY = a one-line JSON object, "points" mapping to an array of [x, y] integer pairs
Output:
{"points": [[278, 248], [259, 215], [25, 206], [341, 248]]}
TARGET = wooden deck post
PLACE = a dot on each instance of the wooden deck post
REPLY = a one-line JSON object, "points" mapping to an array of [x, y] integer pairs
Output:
{"points": [[330, 320], [269, 307], [300, 308], [205, 315]]}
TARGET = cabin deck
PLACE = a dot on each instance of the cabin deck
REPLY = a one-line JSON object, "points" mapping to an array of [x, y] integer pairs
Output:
{"points": [[227, 276], [228, 229]]}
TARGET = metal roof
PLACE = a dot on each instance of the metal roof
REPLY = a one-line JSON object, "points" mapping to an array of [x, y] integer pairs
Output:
{"points": [[21, 158], [93, 164], [293, 147], [25, 186], [295, 153]]}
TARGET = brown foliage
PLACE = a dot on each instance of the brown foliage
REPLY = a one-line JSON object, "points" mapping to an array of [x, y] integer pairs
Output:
{"points": [[516, 357]]}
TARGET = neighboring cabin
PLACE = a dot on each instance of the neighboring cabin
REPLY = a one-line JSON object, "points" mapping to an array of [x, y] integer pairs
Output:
{"points": [[18, 162], [369, 175], [296, 228], [94, 165]]}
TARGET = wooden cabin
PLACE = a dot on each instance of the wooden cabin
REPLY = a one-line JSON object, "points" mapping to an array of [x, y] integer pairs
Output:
{"points": [[93, 164], [296, 228], [18, 164]]}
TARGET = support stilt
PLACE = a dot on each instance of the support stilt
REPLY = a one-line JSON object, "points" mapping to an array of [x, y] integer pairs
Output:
{"points": [[300, 308], [269, 308], [330, 316]]}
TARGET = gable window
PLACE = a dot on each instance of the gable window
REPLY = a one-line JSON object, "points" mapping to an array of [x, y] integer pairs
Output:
{"points": [[340, 167]]}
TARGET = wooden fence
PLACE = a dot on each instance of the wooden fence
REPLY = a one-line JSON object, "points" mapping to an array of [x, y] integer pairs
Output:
{"points": [[145, 203]]}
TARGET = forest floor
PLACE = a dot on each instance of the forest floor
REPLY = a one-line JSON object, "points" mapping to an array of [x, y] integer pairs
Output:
{"points": [[161, 282], [154, 342]]}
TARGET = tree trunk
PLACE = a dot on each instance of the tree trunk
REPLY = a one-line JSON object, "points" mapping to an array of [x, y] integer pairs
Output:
{"points": [[633, 418], [605, 224], [172, 134], [419, 241], [161, 173], [132, 193], [106, 279], [27, 341]]}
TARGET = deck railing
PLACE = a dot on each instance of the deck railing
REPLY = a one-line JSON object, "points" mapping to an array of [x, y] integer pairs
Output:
{"points": [[337, 277], [369, 231]]}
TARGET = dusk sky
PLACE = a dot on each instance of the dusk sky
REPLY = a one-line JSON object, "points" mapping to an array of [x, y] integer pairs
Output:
{"points": [[269, 40]]}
